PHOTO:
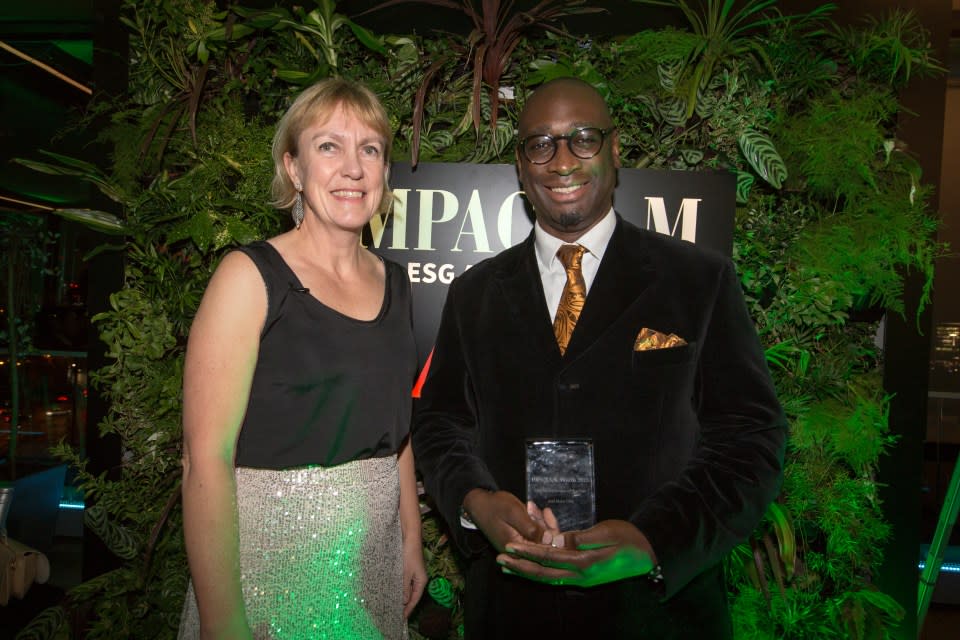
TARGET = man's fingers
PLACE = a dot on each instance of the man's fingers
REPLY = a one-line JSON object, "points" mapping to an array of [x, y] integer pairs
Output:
{"points": [[533, 571], [534, 511], [550, 519], [588, 539], [548, 556], [528, 528]]}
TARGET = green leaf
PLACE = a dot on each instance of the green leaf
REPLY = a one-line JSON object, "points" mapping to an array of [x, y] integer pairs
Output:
{"points": [[669, 73], [744, 183], [292, 75], [73, 167], [367, 38], [45, 625], [760, 153], [786, 537], [260, 19], [238, 31], [117, 538], [198, 228], [237, 231], [691, 156], [673, 110], [442, 592], [96, 220]]}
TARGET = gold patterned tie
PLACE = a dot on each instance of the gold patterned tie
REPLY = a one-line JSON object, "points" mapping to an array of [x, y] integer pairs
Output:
{"points": [[573, 296]]}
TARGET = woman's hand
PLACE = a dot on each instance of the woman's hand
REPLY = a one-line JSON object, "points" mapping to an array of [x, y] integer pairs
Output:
{"points": [[414, 576]]}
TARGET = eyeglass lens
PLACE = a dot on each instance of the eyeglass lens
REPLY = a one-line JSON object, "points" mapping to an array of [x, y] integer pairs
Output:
{"points": [[583, 143]]}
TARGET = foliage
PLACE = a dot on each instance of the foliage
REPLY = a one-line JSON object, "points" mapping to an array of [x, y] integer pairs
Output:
{"points": [[497, 32], [720, 34], [889, 49], [829, 546], [441, 612], [832, 213]]}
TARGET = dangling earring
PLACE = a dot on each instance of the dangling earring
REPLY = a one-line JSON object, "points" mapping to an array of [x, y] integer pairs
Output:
{"points": [[297, 211]]}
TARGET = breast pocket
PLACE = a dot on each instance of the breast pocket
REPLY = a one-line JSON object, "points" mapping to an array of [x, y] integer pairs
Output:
{"points": [[670, 368]]}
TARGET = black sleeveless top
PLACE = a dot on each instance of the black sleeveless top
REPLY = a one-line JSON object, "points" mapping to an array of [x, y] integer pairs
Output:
{"points": [[327, 388]]}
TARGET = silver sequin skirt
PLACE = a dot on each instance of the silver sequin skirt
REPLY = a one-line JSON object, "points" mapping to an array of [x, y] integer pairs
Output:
{"points": [[320, 553]]}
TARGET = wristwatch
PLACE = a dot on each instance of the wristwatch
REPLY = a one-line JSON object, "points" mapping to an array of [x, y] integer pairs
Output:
{"points": [[465, 520], [655, 578]]}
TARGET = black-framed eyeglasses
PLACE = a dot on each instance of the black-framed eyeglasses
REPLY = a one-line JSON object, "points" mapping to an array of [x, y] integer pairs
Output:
{"points": [[583, 142]]}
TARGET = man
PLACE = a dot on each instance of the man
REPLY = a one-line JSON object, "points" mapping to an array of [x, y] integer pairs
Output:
{"points": [[687, 439]]}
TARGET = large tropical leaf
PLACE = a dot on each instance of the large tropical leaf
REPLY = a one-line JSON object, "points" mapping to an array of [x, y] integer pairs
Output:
{"points": [[117, 538], [744, 183], [762, 155]]}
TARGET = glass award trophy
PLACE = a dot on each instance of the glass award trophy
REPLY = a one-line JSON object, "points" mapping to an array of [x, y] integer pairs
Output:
{"points": [[560, 476]]}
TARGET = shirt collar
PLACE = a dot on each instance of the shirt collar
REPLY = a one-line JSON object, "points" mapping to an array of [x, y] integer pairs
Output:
{"points": [[595, 240]]}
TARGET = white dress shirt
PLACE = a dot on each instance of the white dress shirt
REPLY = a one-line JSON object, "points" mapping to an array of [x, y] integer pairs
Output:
{"points": [[552, 272]]}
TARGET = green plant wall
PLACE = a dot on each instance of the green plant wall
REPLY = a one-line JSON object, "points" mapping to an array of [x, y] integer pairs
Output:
{"points": [[831, 213]]}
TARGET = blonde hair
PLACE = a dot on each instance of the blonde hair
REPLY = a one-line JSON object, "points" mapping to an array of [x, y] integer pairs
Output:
{"points": [[317, 102]]}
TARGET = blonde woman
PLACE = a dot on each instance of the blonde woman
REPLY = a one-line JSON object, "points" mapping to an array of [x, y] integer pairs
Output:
{"points": [[300, 506]]}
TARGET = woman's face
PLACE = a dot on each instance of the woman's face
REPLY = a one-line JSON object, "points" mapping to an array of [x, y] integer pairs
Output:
{"points": [[341, 168]]}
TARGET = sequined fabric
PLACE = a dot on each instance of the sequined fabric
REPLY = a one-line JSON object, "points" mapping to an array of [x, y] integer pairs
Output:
{"points": [[320, 553]]}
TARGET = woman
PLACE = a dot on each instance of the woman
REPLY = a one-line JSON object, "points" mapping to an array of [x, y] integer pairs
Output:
{"points": [[301, 516]]}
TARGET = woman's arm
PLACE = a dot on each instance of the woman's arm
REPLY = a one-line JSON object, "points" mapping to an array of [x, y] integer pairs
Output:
{"points": [[221, 356], [414, 571]]}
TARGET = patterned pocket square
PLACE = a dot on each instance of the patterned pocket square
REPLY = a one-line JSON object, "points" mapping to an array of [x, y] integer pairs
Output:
{"points": [[649, 339]]}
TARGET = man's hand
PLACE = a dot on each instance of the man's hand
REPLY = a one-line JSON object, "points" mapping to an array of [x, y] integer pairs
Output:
{"points": [[502, 517], [609, 551], [546, 519]]}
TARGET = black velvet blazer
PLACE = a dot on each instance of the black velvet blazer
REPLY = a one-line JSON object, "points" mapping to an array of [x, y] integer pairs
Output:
{"points": [[688, 441]]}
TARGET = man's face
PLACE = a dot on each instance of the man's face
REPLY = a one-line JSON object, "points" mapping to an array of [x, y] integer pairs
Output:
{"points": [[569, 194]]}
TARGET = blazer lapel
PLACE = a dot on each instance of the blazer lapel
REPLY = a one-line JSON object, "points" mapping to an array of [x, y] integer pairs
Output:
{"points": [[522, 291], [625, 272]]}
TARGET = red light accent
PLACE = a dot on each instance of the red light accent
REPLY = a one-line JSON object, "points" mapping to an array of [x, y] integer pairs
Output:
{"points": [[422, 377], [62, 398]]}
